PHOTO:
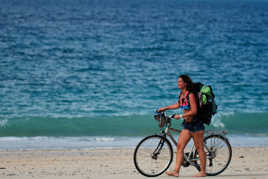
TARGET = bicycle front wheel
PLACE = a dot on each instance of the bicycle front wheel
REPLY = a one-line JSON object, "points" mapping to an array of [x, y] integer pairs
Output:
{"points": [[218, 153], [153, 155]]}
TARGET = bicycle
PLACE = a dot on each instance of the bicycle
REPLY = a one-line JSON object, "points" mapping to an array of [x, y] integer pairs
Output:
{"points": [[157, 150]]}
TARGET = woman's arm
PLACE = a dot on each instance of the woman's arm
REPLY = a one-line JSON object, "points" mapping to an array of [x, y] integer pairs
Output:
{"points": [[173, 106], [193, 109]]}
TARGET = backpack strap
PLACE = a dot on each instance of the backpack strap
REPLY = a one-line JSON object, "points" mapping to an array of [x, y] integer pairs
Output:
{"points": [[188, 98]]}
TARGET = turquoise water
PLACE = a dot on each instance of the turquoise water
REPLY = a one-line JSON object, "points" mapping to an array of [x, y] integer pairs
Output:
{"points": [[101, 68], [254, 124]]}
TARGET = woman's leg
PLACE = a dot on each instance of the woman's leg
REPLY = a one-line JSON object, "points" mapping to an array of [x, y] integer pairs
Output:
{"points": [[199, 145], [184, 138]]}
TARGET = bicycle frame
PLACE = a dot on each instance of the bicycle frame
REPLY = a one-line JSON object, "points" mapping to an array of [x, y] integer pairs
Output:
{"points": [[186, 157], [190, 158]]}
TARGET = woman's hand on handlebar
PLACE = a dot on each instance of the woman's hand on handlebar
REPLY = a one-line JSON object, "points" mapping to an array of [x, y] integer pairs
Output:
{"points": [[161, 109], [176, 116]]}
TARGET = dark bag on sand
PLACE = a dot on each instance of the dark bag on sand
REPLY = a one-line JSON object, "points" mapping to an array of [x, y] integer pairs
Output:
{"points": [[206, 100]]}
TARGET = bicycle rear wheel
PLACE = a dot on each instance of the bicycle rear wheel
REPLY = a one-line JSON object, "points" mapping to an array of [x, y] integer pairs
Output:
{"points": [[218, 152], [153, 155]]}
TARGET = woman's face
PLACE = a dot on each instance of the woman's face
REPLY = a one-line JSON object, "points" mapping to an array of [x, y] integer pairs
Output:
{"points": [[181, 84]]}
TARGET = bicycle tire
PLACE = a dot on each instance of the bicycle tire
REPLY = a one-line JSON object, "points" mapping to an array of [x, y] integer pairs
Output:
{"points": [[222, 160], [155, 149]]}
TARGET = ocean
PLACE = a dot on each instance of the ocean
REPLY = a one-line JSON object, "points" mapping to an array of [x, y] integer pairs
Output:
{"points": [[91, 73]]}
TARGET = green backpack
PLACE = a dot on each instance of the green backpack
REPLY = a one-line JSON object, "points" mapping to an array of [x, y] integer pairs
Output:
{"points": [[206, 100]]}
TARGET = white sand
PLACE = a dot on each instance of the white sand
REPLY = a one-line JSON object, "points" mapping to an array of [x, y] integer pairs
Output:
{"points": [[247, 163]]}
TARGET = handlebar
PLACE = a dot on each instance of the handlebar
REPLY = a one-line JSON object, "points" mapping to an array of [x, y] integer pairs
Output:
{"points": [[164, 120], [167, 122], [164, 113]]}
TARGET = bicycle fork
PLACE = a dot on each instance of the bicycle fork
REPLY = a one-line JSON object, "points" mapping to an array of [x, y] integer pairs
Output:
{"points": [[158, 149]]}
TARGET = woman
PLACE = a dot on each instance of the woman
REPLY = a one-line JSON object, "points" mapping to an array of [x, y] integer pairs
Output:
{"points": [[193, 127]]}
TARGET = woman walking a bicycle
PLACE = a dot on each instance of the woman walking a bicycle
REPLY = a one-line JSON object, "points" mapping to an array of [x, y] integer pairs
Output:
{"points": [[192, 126]]}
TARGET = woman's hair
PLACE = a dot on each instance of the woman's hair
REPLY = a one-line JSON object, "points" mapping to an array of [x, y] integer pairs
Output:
{"points": [[188, 81]]}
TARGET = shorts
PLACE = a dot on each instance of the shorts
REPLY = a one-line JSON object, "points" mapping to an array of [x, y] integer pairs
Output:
{"points": [[194, 126]]}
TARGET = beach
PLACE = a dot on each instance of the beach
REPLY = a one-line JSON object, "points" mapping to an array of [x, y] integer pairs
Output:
{"points": [[114, 163], [80, 82]]}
